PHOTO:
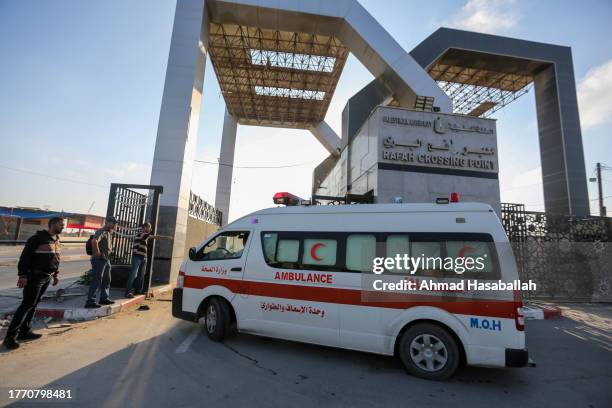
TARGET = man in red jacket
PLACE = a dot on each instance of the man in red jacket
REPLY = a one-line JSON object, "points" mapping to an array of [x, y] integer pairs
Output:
{"points": [[38, 265]]}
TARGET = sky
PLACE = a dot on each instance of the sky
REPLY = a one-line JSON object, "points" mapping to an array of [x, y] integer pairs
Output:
{"points": [[81, 84]]}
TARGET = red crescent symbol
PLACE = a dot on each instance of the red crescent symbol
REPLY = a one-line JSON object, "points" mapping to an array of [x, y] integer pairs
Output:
{"points": [[313, 251], [464, 250]]}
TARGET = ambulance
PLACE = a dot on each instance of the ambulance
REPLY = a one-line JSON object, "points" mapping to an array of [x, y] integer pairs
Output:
{"points": [[305, 273]]}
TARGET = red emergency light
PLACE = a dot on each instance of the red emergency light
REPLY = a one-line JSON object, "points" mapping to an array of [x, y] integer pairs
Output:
{"points": [[286, 199], [454, 197]]}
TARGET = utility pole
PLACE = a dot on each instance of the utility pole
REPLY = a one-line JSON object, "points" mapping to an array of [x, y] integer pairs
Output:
{"points": [[602, 209]]}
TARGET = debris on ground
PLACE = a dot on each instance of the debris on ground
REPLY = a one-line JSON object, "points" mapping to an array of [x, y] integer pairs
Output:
{"points": [[144, 307]]}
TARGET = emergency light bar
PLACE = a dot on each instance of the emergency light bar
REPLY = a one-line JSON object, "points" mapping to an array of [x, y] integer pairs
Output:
{"points": [[454, 198], [286, 199]]}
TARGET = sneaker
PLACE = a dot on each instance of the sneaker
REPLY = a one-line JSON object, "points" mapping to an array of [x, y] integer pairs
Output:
{"points": [[92, 306], [107, 302], [129, 295], [29, 336], [10, 343]]}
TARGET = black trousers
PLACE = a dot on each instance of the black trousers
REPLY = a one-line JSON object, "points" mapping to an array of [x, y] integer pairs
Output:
{"points": [[32, 293]]}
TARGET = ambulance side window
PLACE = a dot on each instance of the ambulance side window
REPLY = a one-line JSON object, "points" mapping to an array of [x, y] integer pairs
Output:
{"points": [[281, 252], [360, 252], [397, 244], [228, 245], [476, 257], [288, 250], [302, 250], [269, 240], [431, 252], [319, 251]]}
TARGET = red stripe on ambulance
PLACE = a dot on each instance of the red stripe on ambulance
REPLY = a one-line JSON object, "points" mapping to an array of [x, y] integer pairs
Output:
{"points": [[451, 304]]}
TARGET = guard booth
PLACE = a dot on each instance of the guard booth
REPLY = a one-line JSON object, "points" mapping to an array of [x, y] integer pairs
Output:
{"points": [[132, 205]]}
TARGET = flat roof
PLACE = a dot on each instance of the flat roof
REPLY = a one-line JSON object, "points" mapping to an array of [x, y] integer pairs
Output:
{"points": [[270, 77], [373, 208]]}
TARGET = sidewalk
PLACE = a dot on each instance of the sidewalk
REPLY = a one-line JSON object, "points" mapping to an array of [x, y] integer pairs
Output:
{"points": [[71, 305]]}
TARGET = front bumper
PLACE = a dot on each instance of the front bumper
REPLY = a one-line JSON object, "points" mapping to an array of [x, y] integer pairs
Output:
{"points": [[177, 307], [517, 358]]}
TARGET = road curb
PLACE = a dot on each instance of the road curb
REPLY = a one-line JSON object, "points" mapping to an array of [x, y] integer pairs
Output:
{"points": [[541, 312], [83, 314]]}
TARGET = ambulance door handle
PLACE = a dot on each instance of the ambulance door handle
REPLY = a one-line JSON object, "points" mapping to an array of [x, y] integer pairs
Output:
{"points": [[236, 269]]}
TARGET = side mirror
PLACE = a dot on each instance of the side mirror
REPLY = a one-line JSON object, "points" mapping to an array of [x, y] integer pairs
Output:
{"points": [[193, 255]]}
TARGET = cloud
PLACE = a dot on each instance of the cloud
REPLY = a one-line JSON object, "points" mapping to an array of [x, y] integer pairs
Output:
{"points": [[595, 96], [486, 16]]}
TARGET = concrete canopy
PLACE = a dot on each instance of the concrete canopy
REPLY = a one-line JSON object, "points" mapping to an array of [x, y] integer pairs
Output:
{"points": [[278, 63]]}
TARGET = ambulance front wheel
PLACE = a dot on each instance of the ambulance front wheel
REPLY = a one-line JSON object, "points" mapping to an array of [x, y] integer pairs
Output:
{"points": [[429, 351], [217, 319]]}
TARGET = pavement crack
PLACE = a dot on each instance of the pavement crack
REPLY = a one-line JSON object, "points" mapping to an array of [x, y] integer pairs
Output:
{"points": [[251, 359]]}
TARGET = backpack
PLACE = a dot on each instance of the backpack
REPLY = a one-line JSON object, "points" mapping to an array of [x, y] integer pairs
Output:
{"points": [[88, 246]]}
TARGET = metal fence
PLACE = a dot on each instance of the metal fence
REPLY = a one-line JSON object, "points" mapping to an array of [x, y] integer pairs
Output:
{"points": [[201, 210], [568, 257]]}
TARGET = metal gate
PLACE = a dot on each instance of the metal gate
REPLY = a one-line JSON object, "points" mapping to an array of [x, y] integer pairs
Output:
{"points": [[132, 208], [568, 257]]}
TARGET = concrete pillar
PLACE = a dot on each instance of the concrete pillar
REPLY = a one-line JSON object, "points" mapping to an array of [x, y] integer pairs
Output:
{"points": [[562, 156], [226, 165], [177, 133]]}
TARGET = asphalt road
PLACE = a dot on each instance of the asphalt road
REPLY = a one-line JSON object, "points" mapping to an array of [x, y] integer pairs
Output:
{"points": [[68, 271], [147, 358], [9, 255]]}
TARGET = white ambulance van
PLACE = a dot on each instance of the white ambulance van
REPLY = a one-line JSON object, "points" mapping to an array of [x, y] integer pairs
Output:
{"points": [[304, 273]]}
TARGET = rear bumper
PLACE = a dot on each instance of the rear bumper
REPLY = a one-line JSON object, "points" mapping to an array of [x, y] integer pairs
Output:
{"points": [[517, 357], [177, 307]]}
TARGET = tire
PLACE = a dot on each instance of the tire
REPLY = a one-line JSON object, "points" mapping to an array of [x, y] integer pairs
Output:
{"points": [[217, 319], [438, 361]]}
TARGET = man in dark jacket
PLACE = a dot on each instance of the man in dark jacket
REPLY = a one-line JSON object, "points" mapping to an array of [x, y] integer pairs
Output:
{"points": [[38, 265]]}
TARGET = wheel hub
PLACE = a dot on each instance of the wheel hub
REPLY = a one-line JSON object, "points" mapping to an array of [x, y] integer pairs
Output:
{"points": [[211, 319], [428, 352]]}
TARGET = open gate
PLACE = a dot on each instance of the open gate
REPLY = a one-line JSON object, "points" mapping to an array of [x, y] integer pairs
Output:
{"points": [[132, 205]]}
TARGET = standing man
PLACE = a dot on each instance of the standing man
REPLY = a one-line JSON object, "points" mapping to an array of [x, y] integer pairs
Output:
{"points": [[102, 247], [139, 260], [38, 264]]}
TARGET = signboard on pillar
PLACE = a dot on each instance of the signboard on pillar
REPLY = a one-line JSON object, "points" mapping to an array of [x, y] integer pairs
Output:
{"points": [[426, 155], [439, 141]]}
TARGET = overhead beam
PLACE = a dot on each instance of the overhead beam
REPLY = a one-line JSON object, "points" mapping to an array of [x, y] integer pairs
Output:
{"points": [[327, 137]]}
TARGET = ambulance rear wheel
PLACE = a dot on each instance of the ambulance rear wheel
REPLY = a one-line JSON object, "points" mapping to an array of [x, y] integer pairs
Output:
{"points": [[217, 319], [429, 351]]}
